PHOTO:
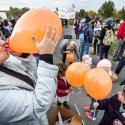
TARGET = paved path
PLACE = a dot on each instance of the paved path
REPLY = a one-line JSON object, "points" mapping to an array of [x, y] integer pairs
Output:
{"points": [[78, 96]]}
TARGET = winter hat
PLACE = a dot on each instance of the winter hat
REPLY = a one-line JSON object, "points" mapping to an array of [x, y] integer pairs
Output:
{"points": [[109, 21], [104, 63], [87, 60]]}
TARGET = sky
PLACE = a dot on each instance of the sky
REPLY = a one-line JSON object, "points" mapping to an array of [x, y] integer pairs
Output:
{"points": [[52, 4]]}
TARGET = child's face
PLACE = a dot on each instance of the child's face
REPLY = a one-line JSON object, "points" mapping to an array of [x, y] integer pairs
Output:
{"points": [[106, 69], [121, 97], [62, 74]]}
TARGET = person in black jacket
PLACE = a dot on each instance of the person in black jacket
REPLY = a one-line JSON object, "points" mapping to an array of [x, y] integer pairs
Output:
{"points": [[104, 49], [114, 109]]}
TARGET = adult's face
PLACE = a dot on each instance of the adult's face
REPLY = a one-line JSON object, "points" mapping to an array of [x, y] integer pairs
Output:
{"points": [[3, 52]]}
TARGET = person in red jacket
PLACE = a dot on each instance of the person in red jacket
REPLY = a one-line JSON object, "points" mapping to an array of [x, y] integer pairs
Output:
{"points": [[121, 43], [63, 88]]}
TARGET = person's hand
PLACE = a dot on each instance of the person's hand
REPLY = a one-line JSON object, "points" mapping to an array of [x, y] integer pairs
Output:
{"points": [[49, 42], [68, 91], [68, 52], [95, 104]]}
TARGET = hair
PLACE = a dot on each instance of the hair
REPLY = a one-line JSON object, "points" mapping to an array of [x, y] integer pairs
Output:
{"points": [[6, 22], [72, 43], [62, 68]]}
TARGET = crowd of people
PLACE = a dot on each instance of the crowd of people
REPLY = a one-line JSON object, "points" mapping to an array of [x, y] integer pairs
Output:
{"points": [[100, 35], [28, 86], [6, 27]]}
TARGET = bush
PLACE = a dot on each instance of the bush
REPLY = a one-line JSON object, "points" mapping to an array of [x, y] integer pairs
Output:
{"points": [[71, 22]]}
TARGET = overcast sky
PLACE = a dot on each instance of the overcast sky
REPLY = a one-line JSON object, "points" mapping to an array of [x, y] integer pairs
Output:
{"points": [[52, 4]]}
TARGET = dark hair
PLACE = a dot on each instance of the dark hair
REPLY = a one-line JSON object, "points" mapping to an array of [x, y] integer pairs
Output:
{"points": [[6, 22], [67, 37], [62, 68]]}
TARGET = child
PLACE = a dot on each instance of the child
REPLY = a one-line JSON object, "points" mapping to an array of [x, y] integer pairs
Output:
{"points": [[63, 88], [87, 60], [91, 112], [106, 65], [114, 109]]}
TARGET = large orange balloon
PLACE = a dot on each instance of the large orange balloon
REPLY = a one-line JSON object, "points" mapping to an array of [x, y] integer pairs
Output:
{"points": [[75, 74], [98, 83], [33, 23], [70, 57]]}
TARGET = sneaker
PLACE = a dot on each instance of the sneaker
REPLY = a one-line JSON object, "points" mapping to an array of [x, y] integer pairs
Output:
{"points": [[87, 109], [89, 115]]}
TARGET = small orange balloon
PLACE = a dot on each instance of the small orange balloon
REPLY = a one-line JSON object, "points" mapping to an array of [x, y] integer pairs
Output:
{"points": [[33, 23], [75, 74], [98, 83], [70, 57]]}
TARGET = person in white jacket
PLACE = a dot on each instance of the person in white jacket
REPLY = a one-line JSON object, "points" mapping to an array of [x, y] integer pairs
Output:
{"points": [[27, 92]]}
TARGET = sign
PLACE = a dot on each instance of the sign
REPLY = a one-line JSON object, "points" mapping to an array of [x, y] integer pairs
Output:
{"points": [[67, 13], [3, 15]]}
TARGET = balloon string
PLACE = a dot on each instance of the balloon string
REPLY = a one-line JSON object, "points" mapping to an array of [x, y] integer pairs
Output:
{"points": [[94, 110]]}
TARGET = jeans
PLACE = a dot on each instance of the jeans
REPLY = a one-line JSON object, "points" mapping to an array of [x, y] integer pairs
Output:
{"points": [[84, 49], [119, 50], [96, 45], [95, 112], [120, 65], [104, 50]]}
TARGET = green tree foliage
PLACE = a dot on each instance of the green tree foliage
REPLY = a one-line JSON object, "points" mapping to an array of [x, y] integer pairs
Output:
{"points": [[82, 13], [121, 14], [107, 9], [16, 12], [91, 13]]}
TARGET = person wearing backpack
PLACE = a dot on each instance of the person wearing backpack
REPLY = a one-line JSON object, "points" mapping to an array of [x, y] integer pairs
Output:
{"points": [[106, 38], [85, 37]]}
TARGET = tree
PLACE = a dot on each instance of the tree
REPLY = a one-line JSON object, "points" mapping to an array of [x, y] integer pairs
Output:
{"points": [[82, 13], [121, 14], [91, 13], [23, 10], [16, 12], [107, 9], [76, 15]]}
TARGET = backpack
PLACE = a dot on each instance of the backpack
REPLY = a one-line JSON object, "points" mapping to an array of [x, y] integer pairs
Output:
{"points": [[83, 33], [109, 37]]}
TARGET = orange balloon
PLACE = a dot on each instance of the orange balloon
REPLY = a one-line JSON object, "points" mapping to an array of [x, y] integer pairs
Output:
{"points": [[75, 74], [70, 57], [98, 83], [33, 23]]}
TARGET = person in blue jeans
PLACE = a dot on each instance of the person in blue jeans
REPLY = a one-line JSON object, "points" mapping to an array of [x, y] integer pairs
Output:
{"points": [[88, 36], [120, 65]]}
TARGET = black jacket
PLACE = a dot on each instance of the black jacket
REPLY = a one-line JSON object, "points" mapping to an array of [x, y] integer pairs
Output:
{"points": [[111, 107]]}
